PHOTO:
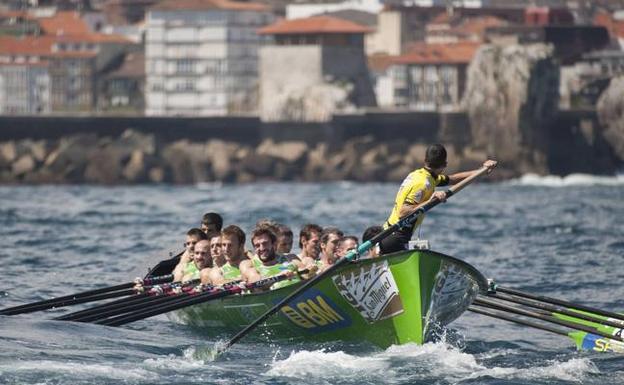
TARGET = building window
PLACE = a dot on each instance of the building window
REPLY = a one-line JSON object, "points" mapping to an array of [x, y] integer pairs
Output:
{"points": [[185, 66]]}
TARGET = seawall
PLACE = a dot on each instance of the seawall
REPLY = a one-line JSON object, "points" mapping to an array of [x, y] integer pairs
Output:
{"points": [[373, 146]]}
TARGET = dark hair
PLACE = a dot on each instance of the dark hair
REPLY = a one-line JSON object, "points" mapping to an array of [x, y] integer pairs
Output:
{"points": [[347, 237], [197, 233], [370, 232], [435, 157], [284, 231], [330, 230], [307, 230], [213, 219], [233, 230], [263, 230], [267, 224]]}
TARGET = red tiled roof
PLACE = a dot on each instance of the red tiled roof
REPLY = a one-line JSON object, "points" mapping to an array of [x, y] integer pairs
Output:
{"points": [[313, 25], [41, 45], [64, 23], [615, 27], [37, 46], [173, 5], [452, 53]]}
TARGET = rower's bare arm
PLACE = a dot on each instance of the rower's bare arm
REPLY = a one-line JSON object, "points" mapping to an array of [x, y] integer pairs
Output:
{"points": [[458, 177], [251, 275], [216, 277], [407, 208], [178, 271], [204, 276]]}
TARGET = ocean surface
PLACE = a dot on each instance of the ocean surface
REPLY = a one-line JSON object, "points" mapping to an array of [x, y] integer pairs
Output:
{"points": [[547, 235]]}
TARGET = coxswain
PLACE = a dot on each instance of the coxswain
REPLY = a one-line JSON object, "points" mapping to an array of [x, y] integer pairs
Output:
{"points": [[417, 188]]}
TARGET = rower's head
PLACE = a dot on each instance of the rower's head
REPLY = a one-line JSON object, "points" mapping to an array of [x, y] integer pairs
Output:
{"points": [[345, 245], [211, 222], [435, 158], [310, 239], [284, 239], [193, 236], [233, 243], [263, 241], [368, 234], [201, 256], [216, 252], [329, 240]]}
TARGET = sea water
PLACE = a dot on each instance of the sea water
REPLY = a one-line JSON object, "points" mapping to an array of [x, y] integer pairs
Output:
{"points": [[561, 237]]}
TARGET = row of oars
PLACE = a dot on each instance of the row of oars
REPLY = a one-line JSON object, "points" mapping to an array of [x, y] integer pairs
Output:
{"points": [[142, 301], [158, 298], [550, 314]]}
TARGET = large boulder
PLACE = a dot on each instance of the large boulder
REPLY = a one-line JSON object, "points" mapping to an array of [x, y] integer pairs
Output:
{"points": [[511, 95], [289, 151], [23, 165], [69, 158]]}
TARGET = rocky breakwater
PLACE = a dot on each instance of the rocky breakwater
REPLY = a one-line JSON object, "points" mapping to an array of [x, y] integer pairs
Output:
{"points": [[511, 95], [134, 157]]}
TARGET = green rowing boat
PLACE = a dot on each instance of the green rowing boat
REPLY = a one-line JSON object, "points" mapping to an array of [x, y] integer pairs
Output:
{"points": [[394, 299]]}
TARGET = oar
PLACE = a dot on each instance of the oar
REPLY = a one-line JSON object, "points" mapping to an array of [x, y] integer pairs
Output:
{"points": [[560, 302], [576, 336], [548, 318], [87, 296], [557, 309], [364, 247], [133, 304], [189, 299]]}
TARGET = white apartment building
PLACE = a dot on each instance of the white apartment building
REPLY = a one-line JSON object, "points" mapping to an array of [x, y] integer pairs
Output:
{"points": [[24, 88], [201, 57]]}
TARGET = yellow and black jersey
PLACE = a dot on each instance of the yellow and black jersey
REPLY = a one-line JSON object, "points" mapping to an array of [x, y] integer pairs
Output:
{"points": [[416, 188]]}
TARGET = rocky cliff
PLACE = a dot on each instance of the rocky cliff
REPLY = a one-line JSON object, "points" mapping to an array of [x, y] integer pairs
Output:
{"points": [[611, 115], [511, 95]]}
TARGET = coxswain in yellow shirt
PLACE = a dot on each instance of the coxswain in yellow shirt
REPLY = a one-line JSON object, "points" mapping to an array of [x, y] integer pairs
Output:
{"points": [[418, 187]]}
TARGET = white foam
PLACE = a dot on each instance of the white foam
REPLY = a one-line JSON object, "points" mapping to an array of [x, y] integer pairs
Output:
{"points": [[426, 362], [574, 370], [80, 370], [568, 180], [322, 364], [192, 359]]}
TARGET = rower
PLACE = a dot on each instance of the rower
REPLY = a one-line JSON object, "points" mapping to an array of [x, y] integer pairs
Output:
{"points": [[309, 241], [329, 241], [233, 246], [368, 234], [216, 254], [267, 263], [201, 260], [345, 245], [284, 239], [417, 188], [193, 236], [211, 222]]}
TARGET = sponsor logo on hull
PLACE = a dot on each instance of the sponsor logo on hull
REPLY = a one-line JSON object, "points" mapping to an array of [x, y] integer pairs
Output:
{"points": [[371, 290], [315, 312]]}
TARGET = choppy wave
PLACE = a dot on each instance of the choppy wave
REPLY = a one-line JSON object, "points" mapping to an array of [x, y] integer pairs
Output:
{"points": [[424, 362], [568, 180]]}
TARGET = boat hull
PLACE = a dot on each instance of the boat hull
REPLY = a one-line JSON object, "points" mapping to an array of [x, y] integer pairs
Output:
{"points": [[395, 299]]}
